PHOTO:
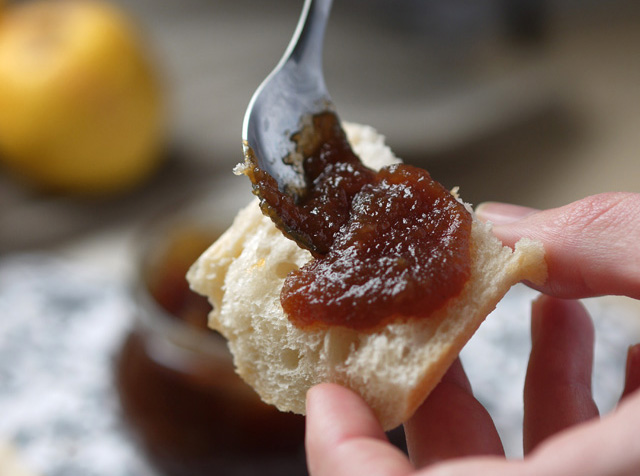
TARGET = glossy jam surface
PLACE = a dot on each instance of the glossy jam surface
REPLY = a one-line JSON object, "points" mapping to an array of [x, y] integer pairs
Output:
{"points": [[388, 245], [334, 175]]}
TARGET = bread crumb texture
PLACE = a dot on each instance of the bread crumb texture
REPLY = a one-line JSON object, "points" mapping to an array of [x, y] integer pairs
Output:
{"points": [[393, 369]]}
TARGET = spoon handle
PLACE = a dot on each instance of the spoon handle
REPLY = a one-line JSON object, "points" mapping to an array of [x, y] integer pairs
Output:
{"points": [[291, 94], [305, 48]]}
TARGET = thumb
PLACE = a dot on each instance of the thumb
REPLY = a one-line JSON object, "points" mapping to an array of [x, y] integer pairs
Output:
{"points": [[592, 246]]}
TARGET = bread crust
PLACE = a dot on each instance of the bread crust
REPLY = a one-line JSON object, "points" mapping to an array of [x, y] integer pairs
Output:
{"points": [[394, 368]]}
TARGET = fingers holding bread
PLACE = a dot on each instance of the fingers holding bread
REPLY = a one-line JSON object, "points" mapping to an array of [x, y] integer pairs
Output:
{"points": [[392, 368], [591, 245]]}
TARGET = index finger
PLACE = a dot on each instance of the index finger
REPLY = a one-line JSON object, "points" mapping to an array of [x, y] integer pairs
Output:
{"points": [[592, 245]]}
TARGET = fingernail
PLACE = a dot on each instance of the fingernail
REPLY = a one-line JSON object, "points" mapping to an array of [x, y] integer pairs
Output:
{"points": [[502, 213]]}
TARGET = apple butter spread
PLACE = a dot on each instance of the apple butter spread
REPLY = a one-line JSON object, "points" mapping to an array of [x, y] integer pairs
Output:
{"points": [[388, 245]]}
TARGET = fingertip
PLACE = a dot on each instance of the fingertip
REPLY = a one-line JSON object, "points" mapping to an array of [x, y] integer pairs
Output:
{"points": [[317, 392], [336, 413], [562, 332], [325, 402], [563, 318], [344, 437], [509, 221], [590, 245], [502, 213]]}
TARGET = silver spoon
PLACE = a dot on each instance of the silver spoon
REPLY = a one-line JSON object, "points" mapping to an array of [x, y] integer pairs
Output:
{"points": [[287, 99]]}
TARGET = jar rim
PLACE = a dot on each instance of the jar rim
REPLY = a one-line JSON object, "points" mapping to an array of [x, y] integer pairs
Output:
{"points": [[190, 214]]}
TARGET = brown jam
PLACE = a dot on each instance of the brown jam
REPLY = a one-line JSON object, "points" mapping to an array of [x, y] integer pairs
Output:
{"points": [[388, 245], [334, 175]]}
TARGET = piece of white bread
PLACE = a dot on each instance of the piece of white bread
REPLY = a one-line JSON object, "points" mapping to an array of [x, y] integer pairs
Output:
{"points": [[393, 369]]}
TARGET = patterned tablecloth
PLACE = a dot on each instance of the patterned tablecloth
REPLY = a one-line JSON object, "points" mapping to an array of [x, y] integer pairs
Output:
{"points": [[61, 323], [60, 326]]}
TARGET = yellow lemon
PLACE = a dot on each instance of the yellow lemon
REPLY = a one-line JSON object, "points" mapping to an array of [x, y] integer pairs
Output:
{"points": [[80, 103]]}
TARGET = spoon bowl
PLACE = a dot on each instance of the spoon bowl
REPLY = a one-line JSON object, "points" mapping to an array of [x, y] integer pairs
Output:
{"points": [[286, 101]]}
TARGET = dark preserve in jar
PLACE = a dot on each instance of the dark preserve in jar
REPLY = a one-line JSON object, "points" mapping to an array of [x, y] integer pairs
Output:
{"points": [[180, 395]]}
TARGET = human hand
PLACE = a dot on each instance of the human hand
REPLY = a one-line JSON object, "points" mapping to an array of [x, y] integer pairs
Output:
{"points": [[592, 248]]}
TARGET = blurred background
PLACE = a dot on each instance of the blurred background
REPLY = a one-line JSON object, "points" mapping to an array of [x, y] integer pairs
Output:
{"points": [[119, 126]]}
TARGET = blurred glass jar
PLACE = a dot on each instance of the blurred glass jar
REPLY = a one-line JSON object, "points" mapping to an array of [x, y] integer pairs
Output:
{"points": [[179, 392]]}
